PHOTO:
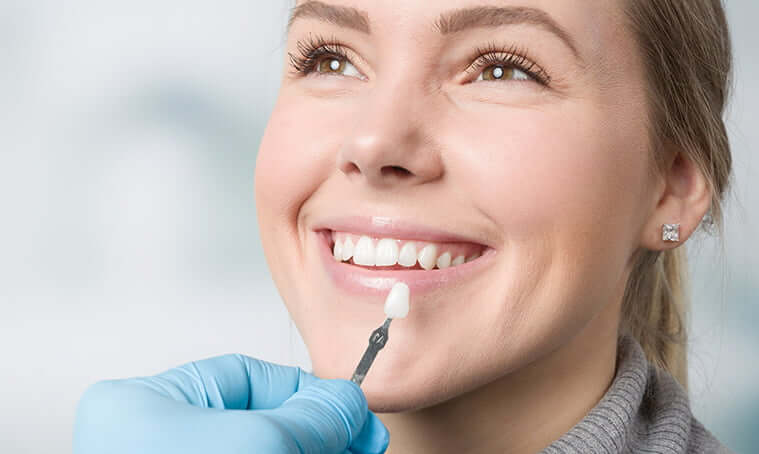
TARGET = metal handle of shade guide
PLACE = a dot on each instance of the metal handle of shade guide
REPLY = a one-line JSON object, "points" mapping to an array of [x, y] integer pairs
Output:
{"points": [[377, 340]]}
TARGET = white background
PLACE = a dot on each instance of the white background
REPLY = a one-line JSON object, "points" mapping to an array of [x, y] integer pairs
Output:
{"points": [[128, 238]]}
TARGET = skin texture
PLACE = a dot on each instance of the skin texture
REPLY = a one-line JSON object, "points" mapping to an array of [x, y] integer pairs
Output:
{"points": [[557, 179]]}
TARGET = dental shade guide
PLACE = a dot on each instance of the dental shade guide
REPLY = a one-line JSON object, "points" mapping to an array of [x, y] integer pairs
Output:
{"points": [[396, 306]]}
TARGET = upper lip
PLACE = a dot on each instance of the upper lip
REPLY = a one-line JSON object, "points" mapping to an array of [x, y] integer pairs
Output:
{"points": [[392, 227]]}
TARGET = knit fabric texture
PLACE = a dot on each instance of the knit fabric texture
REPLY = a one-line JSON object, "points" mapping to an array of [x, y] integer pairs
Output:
{"points": [[642, 412]]}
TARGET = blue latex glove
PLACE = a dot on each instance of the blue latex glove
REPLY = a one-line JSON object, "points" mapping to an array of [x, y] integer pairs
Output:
{"points": [[227, 404]]}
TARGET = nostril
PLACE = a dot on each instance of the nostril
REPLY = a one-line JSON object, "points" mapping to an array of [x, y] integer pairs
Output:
{"points": [[351, 167], [395, 170]]}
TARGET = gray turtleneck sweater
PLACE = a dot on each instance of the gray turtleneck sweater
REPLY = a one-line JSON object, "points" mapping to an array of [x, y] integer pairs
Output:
{"points": [[641, 412]]}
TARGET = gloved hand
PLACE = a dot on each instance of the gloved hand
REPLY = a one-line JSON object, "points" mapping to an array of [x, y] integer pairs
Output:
{"points": [[227, 404]]}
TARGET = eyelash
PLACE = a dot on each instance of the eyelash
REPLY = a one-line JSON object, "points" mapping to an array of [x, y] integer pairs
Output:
{"points": [[513, 57], [311, 51]]}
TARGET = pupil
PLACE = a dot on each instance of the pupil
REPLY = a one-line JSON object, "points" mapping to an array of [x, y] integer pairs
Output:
{"points": [[334, 65], [498, 72]]}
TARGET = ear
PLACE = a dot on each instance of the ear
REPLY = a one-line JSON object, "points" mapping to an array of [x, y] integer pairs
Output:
{"points": [[682, 197]]}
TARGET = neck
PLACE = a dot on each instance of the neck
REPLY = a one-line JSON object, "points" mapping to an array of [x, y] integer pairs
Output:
{"points": [[522, 412]]}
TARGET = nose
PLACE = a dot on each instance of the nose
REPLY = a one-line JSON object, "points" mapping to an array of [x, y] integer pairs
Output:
{"points": [[392, 144]]}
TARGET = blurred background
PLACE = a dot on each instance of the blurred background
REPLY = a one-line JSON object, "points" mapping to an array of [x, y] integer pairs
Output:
{"points": [[128, 236]]}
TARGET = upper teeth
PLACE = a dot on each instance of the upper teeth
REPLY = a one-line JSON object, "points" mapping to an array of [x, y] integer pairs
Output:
{"points": [[368, 251]]}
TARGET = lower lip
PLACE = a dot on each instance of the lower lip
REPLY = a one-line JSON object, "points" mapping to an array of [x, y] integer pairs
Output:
{"points": [[363, 281]]}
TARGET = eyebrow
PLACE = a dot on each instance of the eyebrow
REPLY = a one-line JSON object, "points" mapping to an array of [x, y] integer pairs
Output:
{"points": [[448, 23], [495, 16], [343, 16]]}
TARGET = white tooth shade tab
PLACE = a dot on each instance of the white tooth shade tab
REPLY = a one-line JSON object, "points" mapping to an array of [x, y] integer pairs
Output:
{"points": [[397, 301], [427, 256], [387, 252], [365, 250], [408, 255], [364, 253]]}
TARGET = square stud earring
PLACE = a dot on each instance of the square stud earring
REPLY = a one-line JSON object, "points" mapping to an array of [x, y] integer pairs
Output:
{"points": [[670, 232]]}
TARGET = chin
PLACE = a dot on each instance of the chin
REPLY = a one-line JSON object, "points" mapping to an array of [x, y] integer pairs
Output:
{"points": [[400, 382]]}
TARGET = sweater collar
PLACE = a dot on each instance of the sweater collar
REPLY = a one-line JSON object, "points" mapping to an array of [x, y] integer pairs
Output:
{"points": [[643, 408]]}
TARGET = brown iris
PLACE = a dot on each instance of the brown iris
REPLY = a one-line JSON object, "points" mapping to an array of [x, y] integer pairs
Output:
{"points": [[497, 73], [331, 65]]}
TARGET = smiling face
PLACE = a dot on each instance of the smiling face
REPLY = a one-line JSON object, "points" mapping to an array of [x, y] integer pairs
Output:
{"points": [[513, 137]]}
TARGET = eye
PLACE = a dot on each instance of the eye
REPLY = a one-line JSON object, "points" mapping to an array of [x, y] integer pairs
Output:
{"points": [[503, 73], [336, 65], [493, 63], [324, 57], [506, 64]]}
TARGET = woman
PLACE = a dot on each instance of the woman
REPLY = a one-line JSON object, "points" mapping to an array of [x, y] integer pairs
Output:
{"points": [[541, 163]]}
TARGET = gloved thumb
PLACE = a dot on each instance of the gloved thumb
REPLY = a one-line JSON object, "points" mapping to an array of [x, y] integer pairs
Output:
{"points": [[330, 416]]}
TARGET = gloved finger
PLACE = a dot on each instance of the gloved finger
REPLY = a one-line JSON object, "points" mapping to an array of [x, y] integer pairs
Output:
{"points": [[121, 417], [330, 416], [235, 382], [373, 438]]}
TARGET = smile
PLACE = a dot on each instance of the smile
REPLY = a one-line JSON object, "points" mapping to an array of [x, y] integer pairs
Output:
{"points": [[393, 253], [366, 258]]}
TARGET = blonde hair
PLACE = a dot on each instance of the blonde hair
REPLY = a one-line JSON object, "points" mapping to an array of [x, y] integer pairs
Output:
{"points": [[686, 51]]}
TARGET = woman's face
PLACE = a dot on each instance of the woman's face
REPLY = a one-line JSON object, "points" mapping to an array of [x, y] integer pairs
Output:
{"points": [[516, 132]]}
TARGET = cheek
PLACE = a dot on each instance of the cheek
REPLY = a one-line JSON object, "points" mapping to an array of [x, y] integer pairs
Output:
{"points": [[565, 189], [294, 158], [554, 173], [284, 177], [282, 165]]}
